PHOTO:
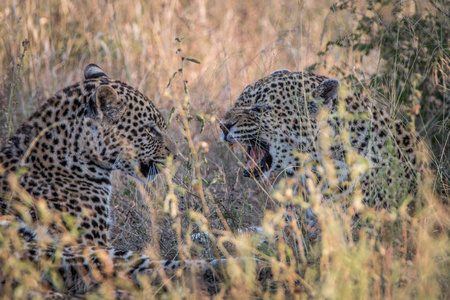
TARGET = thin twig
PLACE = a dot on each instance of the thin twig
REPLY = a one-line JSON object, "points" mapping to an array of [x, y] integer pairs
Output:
{"points": [[439, 9]]}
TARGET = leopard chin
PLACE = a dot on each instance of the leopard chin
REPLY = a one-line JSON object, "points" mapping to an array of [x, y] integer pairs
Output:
{"points": [[149, 169]]}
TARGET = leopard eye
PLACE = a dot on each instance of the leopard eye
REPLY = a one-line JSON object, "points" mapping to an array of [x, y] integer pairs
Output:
{"points": [[153, 130], [259, 108]]}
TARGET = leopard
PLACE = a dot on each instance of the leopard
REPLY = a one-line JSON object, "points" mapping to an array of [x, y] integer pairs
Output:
{"points": [[55, 176], [308, 125]]}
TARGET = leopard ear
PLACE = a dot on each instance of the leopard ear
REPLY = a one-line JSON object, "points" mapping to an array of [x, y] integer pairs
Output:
{"points": [[327, 89], [281, 71], [93, 71], [105, 103]]}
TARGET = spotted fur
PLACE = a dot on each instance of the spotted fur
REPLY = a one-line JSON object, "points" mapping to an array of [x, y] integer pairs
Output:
{"points": [[55, 176], [279, 116]]}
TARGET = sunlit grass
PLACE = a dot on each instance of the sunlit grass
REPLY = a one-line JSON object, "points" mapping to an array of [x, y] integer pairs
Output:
{"points": [[45, 46]]}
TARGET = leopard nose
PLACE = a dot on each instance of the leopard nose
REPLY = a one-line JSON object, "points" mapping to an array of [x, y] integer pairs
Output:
{"points": [[225, 127]]}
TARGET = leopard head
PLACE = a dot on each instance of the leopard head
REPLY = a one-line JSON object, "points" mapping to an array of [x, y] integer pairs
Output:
{"points": [[275, 117], [133, 132]]}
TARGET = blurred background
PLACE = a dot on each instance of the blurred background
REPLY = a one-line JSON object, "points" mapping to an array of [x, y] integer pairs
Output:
{"points": [[395, 51]]}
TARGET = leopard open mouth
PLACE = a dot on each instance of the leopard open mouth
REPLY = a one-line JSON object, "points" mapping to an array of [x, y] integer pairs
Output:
{"points": [[259, 160]]}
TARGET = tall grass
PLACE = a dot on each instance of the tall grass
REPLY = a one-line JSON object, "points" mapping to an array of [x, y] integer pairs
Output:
{"points": [[204, 208]]}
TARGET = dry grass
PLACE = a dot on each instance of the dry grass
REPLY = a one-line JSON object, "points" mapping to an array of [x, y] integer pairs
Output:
{"points": [[45, 46]]}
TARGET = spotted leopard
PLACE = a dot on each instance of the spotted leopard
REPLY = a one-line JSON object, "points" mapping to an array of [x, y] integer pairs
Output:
{"points": [[55, 182], [296, 123]]}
